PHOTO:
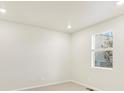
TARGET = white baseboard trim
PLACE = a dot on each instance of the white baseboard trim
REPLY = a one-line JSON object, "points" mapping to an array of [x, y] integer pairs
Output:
{"points": [[43, 85], [86, 85]]}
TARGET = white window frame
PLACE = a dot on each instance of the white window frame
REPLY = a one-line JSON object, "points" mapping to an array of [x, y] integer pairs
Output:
{"points": [[93, 50]]}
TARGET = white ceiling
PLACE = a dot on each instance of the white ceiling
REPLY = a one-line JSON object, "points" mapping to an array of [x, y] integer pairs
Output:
{"points": [[56, 15]]}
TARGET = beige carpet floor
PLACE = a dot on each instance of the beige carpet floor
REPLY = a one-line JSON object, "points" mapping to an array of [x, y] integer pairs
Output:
{"points": [[69, 86]]}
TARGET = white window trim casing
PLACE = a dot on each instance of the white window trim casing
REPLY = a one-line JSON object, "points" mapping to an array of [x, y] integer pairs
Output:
{"points": [[93, 50]]}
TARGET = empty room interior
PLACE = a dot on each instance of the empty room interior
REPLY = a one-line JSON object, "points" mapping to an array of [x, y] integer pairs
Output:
{"points": [[61, 45]]}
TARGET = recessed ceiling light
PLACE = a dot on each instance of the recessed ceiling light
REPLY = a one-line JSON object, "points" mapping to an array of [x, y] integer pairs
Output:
{"points": [[2, 10], [119, 3], [69, 27]]}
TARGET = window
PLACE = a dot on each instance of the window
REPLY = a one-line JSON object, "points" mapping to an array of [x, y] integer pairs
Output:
{"points": [[102, 50]]}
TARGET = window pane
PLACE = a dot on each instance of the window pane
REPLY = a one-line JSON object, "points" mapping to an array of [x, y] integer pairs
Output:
{"points": [[103, 40], [104, 59]]}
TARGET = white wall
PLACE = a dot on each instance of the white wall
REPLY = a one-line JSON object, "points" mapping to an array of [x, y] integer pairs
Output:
{"points": [[99, 78], [32, 56]]}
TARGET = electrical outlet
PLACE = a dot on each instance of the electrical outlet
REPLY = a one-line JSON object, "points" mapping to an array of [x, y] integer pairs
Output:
{"points": [[42, 78], [88, 79]]}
